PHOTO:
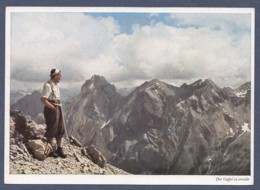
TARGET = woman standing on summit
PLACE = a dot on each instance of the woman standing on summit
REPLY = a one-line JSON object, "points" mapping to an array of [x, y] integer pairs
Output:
{"points": [[52, 112]]}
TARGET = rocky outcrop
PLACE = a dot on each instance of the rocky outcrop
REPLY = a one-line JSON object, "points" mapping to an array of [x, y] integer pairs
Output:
{"points": [[94, 155], [233, 159], [22, 129], [22, 125], [163, 129]]}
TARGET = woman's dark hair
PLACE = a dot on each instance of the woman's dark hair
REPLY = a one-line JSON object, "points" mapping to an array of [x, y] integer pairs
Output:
{"points": [[54, 72]]}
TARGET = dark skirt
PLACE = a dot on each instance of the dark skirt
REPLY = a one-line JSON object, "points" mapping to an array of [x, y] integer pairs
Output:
{"points": [[54, 122]]}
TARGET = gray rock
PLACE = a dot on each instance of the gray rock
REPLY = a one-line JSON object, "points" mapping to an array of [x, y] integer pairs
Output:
{"points": [[25, 126], [74, 141], [162, 129], [90, 109], [92, 153], [22, 162]]}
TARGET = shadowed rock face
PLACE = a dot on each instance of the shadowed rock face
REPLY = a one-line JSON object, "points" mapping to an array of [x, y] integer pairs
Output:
{"points": [[24, 126], [162, 129], [90, 109]]}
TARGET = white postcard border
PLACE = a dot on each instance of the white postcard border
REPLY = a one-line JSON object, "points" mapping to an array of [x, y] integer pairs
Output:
{"points": [[124, 179]]}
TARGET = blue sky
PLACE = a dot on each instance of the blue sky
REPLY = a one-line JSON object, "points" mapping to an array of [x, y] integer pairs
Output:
{"points": [[128, 20], [129, 46]]}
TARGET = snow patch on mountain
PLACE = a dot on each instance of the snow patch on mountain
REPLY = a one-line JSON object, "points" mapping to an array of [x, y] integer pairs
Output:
{"points": [[105, 124], [241, 93], [245, 127]]}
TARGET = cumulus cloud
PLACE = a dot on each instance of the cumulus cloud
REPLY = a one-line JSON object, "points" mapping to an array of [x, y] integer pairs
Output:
{"points": [[71, 42], [165, 52], [192, 47]]}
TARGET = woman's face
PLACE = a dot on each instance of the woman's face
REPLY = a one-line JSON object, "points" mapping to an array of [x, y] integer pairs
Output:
{"points": [[57, 78]]}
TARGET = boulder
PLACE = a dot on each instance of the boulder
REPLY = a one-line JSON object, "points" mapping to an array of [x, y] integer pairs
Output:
{"points": [[25, 126], [94, 155]]}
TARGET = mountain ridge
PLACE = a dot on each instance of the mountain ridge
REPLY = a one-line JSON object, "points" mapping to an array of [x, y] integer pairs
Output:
{"points": [[160, 128], [157, 120]]}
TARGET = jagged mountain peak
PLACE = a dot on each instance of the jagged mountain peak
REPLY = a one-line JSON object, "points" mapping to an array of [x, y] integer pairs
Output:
{"points": [[209, 81], [146, 131], [155, 84], [94, 82], [97, 87], [154, 88], [209, 88], [97, 79], [243, 89], [246, 86], [30, 104], [204, 82], [155, 81], [36, 92], [201, 86], [196, 83]]}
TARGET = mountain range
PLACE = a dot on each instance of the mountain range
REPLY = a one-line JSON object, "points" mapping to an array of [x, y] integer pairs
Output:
{"points": [[159, 128]]}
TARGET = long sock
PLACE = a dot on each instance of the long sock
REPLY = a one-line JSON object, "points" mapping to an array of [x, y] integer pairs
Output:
{"points": [[59, 142]]}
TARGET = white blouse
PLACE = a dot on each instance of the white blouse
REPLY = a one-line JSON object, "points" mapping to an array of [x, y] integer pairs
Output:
{"points": [[48, 87]]}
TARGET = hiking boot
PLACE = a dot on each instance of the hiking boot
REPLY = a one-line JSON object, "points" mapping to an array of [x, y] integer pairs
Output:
{"points": [[60, 153], [54, 155]]}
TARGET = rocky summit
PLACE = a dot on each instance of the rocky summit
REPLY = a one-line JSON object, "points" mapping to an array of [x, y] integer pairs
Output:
{"points": [[158, 128], [80, 160], [91, 108]]}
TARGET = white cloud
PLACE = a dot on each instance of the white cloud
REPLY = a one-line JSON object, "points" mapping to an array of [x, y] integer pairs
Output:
{"points": [[68, 41], [82, 46], [224, 21], [161, 51]]}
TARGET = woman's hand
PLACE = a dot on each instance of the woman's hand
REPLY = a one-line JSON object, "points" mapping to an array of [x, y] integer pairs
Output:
{"points": [[47, 103]]}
